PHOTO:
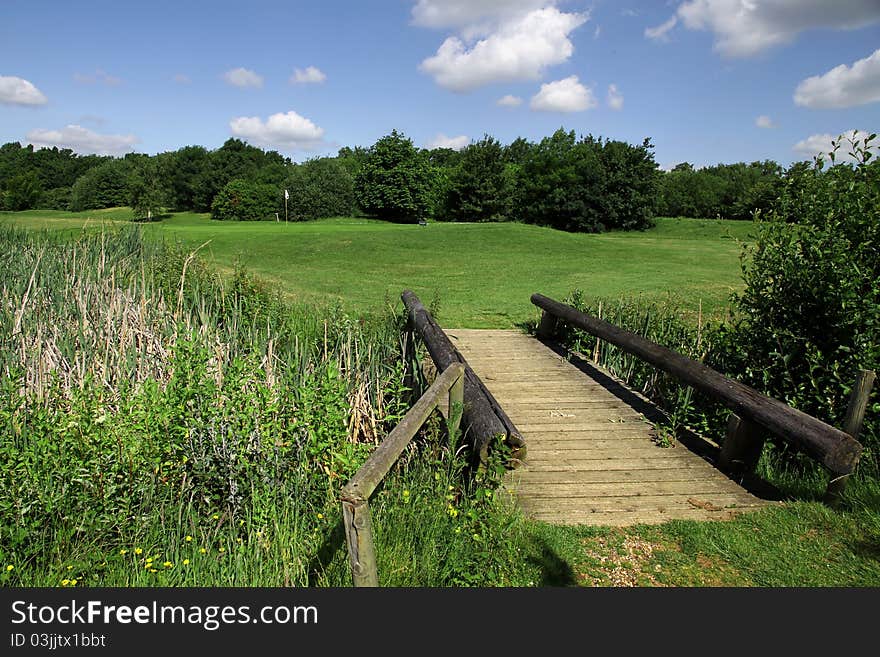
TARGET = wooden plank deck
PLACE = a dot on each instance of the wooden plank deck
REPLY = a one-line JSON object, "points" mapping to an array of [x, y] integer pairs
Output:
{"points": [[591, 454]]}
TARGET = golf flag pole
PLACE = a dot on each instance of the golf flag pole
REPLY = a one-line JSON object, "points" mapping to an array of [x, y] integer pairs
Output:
{"points": [[286, 196]]}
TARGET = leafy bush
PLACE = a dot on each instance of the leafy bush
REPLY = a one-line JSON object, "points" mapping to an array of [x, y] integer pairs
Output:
{"points": [[240, 200], [321, 187], [809, 317]]}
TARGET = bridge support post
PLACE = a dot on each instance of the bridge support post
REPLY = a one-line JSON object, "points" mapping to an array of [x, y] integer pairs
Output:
{"points": [[852, 424], [742, 447], [359, 535], [547, 327]]}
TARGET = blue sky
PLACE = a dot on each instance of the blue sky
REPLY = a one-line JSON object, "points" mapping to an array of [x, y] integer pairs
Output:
{"points": [[694, 76]]}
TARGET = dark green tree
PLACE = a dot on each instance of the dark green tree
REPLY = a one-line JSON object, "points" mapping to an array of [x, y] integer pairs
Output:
{"points": [[147, 194], [478, 188], [105, 186], [395, 181], [321, 187]]}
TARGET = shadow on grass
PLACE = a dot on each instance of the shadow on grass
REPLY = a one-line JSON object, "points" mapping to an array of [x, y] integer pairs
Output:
{"points": [[555, 571], [333, 542]]}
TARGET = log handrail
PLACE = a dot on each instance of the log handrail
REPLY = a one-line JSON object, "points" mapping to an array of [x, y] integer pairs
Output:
{"points": [[483, 418], [836, 450], [356, 493]]}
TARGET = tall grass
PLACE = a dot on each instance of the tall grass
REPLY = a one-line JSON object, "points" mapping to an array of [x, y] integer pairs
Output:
{"points": [[161, 425]]}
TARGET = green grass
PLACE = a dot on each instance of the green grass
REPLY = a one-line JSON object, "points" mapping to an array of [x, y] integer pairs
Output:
{"points": [[482, 274]]}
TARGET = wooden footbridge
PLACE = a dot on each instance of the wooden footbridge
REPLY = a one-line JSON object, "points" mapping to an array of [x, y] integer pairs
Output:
{"points": [[593, 456], [585, 443]]}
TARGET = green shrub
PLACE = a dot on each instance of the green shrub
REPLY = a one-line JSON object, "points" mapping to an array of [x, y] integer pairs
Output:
{"points": [[240, 200], [809, 317], [321, 187]]}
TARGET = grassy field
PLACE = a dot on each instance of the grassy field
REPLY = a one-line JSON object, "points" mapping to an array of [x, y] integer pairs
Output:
{"points": [[482, 274]]}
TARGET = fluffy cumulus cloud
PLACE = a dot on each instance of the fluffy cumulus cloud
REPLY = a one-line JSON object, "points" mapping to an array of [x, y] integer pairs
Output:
{"points": [[18, 91], [764, 121], [283, 130], [615, 98], [566, 95], [520, 47], [455, 143], [82, 140], [747, 27], [821, 145], [842, 86], [471, 14], [509, 101], [244, 78], [310, 74]]}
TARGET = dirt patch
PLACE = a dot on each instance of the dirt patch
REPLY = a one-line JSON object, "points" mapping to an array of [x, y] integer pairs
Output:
{"points": [[625, 565]]}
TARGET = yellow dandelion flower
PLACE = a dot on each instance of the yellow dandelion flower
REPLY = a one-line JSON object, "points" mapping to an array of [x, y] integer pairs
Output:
{"points": [[73, 582], [70, 568], [216, 517], [186, 562], [123, 552], [65, 582], [153, 570], [138, 551], [203, 550], [222, 549], [320, 516], [188, 539], [239, 539], [9, 567], [168, 564]]}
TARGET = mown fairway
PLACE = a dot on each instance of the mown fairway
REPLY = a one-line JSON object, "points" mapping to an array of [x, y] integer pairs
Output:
{"points": [[482, 274]]}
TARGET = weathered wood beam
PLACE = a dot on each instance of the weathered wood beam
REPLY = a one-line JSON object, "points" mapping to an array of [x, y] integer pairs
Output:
{"points": [[852, 424], [483, 418], [836, 450]]}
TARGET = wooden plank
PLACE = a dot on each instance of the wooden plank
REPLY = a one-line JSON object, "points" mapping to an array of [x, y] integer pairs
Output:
{"points": [[574, 465], [626, 519], [526, 477], [611, 504], [552, 490]]}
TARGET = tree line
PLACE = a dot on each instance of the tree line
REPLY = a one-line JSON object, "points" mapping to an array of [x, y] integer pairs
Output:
{"points": [[572, 183]]}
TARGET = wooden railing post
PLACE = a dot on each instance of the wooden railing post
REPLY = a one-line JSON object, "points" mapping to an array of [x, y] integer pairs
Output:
{"points": [[742, 446], [547, 327], [852, 424], [359, 536], [456, 405]]}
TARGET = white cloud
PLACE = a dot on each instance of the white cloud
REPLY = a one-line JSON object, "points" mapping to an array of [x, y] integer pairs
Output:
{"points": [[747, 27], [842, 86], [242, 77], [509, 101], [659, 33], [82, 140], [180, 78], [282, 130], [18, 91], [470, 13], [764, 121], [566, 95], [455, 143], [519, 49], [99, 76], [615, 98], [821, 145], [310, 74]]}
